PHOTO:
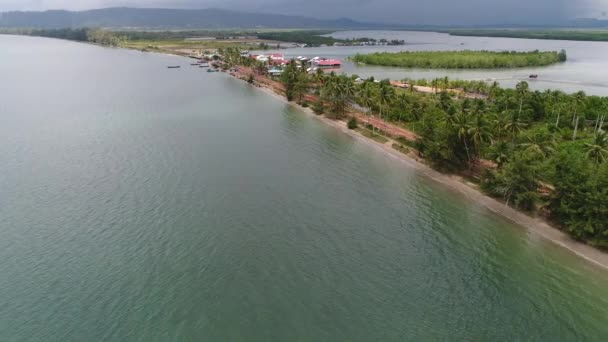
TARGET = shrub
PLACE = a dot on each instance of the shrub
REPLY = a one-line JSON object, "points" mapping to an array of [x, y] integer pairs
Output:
{"points": [[352, 123], [318, 107]]}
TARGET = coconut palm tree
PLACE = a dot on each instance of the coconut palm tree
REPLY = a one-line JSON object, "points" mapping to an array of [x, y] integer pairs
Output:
{"points": [[515, 126], [462, 127], [319, 77], [535, 145], [480, 133], [522, 90], [386, 95], [348, 90], [500, 152], [577, 101], [367, 98], [339, 90], [597, 150], [403, 102]]}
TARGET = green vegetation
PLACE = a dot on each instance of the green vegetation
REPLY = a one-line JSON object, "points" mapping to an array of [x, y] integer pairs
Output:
{"points": [[176, 42], [401, 148], [97, 36], [310, 38], [580, 35], [317, 38], [352, 123], [462, 59], [80, 35], [318, 107], [544, 152], [104, 37], [296, 82], [368, 133]]}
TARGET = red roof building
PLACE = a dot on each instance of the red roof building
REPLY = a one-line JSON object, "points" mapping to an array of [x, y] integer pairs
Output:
{"points": [[328, 63]]}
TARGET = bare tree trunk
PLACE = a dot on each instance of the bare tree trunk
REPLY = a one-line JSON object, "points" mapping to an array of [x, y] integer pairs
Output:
{"points": [[521, 105], [575, 129], [466, 147]]}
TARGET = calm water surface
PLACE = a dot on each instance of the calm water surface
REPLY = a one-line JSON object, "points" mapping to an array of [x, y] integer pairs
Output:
{"points": [[139, 203], [586, 68]]}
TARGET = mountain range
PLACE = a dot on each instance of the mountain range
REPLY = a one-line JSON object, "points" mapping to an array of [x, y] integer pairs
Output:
{"points": [[159, 18]]}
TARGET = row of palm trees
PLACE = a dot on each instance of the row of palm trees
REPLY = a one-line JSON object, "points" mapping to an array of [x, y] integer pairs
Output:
{"points": [[479, 124]]}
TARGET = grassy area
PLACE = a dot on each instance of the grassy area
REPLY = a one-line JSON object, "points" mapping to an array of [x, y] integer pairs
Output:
{"points": [[175, 44], [462, 59], [581, 35], [401, 148], [369, 134]]}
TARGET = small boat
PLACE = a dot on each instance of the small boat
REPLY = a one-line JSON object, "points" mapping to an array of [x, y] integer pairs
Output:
{"points": [[203, 65], [195, 64], [174, 67], [533, 76], [212, 70]]}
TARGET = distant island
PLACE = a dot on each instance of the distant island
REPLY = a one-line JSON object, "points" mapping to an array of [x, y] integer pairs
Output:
{"points": [[555, 34], [461, 59]]}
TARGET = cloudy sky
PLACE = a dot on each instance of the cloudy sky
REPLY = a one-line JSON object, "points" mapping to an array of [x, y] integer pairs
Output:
{"points": [[395, 11]]}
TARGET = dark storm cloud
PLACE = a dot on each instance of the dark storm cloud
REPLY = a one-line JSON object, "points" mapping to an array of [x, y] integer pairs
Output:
{"points": [[396, 11]]}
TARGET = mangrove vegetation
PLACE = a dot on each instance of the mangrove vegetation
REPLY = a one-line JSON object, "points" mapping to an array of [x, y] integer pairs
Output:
{"points": [[462, 59], [578, 35]]}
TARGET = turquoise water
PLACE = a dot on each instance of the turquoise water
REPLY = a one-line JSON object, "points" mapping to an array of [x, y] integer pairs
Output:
{"points": [[140, 203]]}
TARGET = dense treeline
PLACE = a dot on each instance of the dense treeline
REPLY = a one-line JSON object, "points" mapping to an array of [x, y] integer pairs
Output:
{"points": [[79, 35], [579, 35], [97, 36], [311, 38], [462, 59], [544, 152]]}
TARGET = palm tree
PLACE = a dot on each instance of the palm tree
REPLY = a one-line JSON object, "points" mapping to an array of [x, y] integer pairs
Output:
{"points": [[462, 126], [319, 77], [340, 91], [367, 96], [480, 133], [330, 91], [500, 153], [403, 104], [578, 100], [493, 92], [598, 149], [386, 95], [348, 90], [515, 126], [536, 146], [522, 91]]}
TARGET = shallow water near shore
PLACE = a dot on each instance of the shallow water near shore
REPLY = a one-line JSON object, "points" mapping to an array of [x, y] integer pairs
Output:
{"points": [[140, 203]]}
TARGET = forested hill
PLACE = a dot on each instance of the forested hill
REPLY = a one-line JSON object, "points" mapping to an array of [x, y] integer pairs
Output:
{"points": [[157, 18]]}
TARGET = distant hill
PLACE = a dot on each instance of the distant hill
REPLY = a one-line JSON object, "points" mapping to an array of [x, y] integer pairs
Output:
{"points": [[159, 18]]}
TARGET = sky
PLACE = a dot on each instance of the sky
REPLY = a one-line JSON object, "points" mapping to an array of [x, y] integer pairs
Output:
{"points": [[441, 12]]}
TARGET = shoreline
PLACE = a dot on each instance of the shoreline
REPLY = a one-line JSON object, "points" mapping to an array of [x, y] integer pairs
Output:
{"points": [[534, 225]]}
